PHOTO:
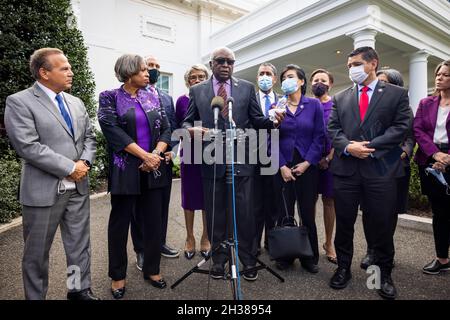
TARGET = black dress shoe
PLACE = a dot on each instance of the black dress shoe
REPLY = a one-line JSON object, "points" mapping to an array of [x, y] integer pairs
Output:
{"points": [[435, 267], [83, 295], [310, 266], [140, 261], [118, 293], [368, 260], [250, 275], [283, 265], [169, 252], [189, 254], [340, 278], [160, 284], [218, 271], [204, 253], [387, 289]]}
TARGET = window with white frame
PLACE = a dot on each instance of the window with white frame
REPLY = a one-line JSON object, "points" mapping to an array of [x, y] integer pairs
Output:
{"points": [[164, 82]]}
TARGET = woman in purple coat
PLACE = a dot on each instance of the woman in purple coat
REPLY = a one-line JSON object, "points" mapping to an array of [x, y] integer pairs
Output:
{"points": [[432, 132], [300, 149], [191, 180], [321, 83]]}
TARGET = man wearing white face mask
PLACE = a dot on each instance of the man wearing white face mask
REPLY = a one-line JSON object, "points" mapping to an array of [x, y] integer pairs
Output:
{"points": [[265, 213], [367, 124]]}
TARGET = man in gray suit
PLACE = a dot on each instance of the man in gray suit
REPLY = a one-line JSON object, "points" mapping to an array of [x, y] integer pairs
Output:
{"points": [[51, 131], [246, 114]]}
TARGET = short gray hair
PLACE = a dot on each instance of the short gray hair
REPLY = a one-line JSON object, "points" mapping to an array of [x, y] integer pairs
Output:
{"points": [[271, 66], [195, 67], [214, 52], [127, 66], [39, 59]]}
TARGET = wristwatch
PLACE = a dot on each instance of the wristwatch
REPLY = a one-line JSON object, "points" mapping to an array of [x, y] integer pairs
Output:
{"points": [[86, 162], [327, 159]]}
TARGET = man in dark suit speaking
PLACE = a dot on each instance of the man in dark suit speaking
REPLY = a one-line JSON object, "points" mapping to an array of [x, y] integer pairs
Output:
{"points": [[246, 114], [367, 124]]}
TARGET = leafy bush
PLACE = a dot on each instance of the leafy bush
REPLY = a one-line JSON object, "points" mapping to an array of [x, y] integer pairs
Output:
{"points": [[176, 167], [27, 25], [9, 183]]}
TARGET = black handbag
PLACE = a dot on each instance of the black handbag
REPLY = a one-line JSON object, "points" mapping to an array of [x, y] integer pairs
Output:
{"points": [[288, 240]]}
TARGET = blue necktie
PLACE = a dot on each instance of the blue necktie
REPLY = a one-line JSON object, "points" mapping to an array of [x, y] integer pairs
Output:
{"points": [[64, 112], [268, 104]]}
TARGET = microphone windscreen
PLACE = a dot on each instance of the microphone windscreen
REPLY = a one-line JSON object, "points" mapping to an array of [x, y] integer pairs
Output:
{"points": [[217, 102], [230, 99]]}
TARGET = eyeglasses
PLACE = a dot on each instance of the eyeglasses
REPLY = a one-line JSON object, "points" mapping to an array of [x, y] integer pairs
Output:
{"points": [[230, 62], [200, 77]]}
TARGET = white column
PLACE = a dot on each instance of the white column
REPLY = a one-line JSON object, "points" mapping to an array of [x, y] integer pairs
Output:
{"points": [[364, 38], [418, 78]]}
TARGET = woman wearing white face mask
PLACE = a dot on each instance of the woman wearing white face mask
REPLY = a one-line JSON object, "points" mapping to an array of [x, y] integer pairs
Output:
{"points": [[301, 142]]}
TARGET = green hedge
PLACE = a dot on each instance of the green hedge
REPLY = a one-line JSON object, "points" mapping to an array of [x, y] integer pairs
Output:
{"points": [[9, 183], [25, 27]]}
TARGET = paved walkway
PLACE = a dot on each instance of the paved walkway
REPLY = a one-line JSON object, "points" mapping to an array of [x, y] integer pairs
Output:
{"points": [[414, 248]]}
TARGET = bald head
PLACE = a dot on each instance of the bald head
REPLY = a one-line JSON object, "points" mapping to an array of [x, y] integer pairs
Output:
{"points": [[222, 63], [152, 62], [218, 51]]}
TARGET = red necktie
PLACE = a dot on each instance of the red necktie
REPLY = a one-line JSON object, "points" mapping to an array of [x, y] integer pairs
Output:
{"points": [[223, 93], [363, 102]]}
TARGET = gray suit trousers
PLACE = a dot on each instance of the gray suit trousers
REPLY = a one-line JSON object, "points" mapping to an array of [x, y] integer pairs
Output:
{"points": [[71, 214]]}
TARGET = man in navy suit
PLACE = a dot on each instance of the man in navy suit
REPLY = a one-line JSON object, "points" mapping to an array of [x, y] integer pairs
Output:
{"points": [[264, 206], [368, 123]]}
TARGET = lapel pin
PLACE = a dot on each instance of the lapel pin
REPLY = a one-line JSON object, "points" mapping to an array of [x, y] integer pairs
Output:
{"points": [[302, 106], [380, 90]]}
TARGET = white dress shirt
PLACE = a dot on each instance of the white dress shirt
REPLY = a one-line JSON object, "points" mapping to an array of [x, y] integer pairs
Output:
{"points": [[440, 132], [65, 184], [262, 99]]}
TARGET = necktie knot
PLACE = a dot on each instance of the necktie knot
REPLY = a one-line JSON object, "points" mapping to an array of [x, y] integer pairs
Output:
{"points": [[365, 89], [64, 112], [59, 98]]}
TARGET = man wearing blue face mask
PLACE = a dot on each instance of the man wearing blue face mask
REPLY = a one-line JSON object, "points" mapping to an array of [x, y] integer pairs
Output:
{"points": [[368, 123], [265, 213]]}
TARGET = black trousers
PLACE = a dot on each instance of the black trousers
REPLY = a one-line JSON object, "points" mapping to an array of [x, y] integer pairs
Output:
{"points": [[264, 209], [440, 206], [245, 221], [136, 221], [304, 191], [148, 205], [379, 197]]}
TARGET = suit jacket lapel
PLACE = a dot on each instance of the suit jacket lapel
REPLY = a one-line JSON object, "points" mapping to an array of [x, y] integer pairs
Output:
{"points": [[44, 100], [376, 96], [354, 103]]}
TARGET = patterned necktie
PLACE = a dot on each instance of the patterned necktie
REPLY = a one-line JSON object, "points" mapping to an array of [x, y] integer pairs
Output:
{"points": [[268, 104], [223, 93], [64, 112], [363, 102]]}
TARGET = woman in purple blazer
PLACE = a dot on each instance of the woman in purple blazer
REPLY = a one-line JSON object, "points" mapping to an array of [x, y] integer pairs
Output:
{"points": [[432, 132], [302, 136]]}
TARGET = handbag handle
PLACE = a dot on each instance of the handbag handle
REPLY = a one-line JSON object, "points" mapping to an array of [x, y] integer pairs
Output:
{"points": [[283, 189], [292, 183]]}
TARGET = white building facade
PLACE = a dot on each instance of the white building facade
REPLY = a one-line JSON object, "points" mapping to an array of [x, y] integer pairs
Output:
{"points": [[175, 31], [412, 36]]}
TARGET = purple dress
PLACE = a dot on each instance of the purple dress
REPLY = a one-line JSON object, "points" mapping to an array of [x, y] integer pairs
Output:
{"points": [[191, 178], [325, 176]]}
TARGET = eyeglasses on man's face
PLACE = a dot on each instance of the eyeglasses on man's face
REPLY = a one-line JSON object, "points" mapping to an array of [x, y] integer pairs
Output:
{"points": [[222, 61]]}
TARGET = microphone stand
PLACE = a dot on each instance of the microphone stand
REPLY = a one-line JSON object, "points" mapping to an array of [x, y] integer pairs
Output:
{"points": [[231, 207], [231, 243]]}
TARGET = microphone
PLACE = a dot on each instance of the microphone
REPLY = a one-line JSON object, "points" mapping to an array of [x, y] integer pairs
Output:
{"points": [[230, 103], [217, 104]]}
